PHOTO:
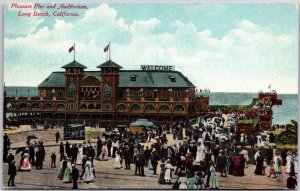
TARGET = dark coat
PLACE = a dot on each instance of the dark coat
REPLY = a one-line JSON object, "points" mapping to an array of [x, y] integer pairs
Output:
{"points": [[75, 174], [12, 170]]}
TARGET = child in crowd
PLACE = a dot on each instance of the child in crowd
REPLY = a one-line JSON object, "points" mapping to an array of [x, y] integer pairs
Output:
{"points": [[53, 160], [272, 169], [265, 165]]}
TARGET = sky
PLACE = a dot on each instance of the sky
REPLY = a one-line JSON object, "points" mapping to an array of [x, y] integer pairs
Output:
{"points": [[222, 47]]}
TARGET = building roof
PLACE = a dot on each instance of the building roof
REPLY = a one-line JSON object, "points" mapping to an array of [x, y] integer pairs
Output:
{"points": [[144, 79], [74, 64], [109, 64]]}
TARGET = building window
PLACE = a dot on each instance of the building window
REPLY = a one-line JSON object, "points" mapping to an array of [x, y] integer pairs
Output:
{"points": [[140, 94], [48, 106], [107, 92], [35, 106], [121, 107], [107, 107], [149, 107], [176, 94], [60, 106], [135, 107], [60, 94], [149, 95], [98, 106], [91, 106], [72, 106], [172, 78], [71, 92], [133, 78], [164, 108], [178, 108]]}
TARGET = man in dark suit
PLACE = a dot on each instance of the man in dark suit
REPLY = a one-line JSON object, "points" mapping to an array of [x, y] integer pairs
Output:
{"points": [[154, 161], [99, 147], [68, 148], [61, 151], [12, 172], [127, 157], [75, 176]]}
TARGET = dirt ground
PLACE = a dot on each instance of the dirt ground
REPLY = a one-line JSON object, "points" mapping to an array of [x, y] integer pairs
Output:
{"points": [[109, 178]]}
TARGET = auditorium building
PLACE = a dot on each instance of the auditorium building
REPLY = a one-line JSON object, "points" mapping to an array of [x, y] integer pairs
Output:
{"points": [[110, 95]]}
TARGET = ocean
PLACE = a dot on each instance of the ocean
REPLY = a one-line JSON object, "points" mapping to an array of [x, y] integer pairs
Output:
{"points": [[282, 114]]}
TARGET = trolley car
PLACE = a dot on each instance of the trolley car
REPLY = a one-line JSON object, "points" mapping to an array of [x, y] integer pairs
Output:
{"points": [[74, 131]]}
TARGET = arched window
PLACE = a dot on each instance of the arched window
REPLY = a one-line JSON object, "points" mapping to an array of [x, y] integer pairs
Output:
{"points": [[121, 107], [107, 107], [83, 106], [135, 107], [164, 108], [178, 108], [35, 106], [149, 107], [48, 106], [98, 106], [23, 106], [107, 92], [60, 106], [10, 105], [82, 94], [91, 106], [60, 94], [71, 92]]}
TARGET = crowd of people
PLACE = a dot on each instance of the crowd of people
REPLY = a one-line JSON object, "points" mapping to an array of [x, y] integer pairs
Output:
{"points": [[213, 145]]}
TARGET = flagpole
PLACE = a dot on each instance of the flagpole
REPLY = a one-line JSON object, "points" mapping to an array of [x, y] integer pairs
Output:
{"points": [[109, 48], [74, 52]]}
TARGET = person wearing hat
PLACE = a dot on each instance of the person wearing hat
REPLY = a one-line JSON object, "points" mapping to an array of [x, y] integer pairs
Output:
{"points": [[277, 163], [291, 182], [127, 157], [104, 152], [88, 172], [12, 172], [10, 157], [53, 160], [154, 161], [288, 162], [75, 176], [168, 167]]}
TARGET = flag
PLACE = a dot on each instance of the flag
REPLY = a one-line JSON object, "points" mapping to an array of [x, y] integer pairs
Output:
{"points": [[106, 48], [72, 48], [269, 86], [297, 5]]}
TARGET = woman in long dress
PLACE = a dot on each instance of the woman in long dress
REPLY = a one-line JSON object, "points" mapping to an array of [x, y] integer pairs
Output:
{"points": [[117, 160], [161, 178], [104, 153], [168, 168], [203, 149], [67, 173], [192, 183], [182, 180], [213, 181], [246, 156], [277, 163], [79, 155], [25, 164], [88, 171], [288, 163], [199, 153]]}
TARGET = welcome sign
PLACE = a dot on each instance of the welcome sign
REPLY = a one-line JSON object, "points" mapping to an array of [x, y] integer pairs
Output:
{"points": [[157, 67]]}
